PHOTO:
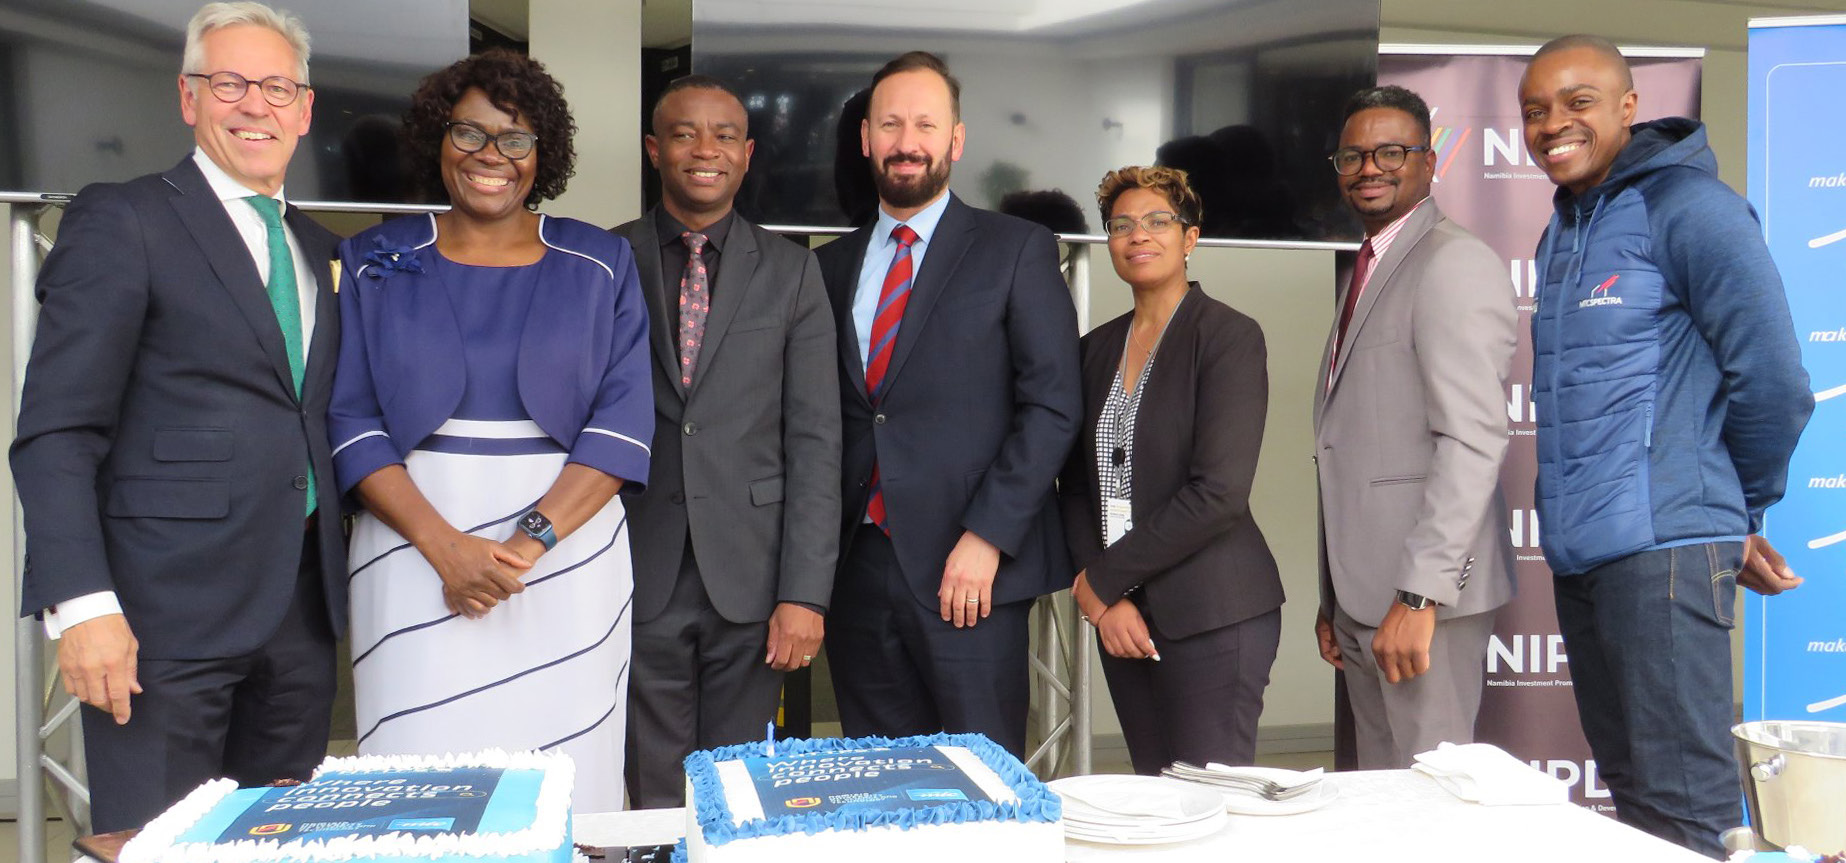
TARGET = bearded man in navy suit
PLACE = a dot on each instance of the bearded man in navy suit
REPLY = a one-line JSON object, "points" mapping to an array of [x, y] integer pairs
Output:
{"points": [[960, 397]]}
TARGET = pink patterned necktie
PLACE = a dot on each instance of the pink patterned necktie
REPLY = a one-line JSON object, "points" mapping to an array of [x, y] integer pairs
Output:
{"points": [[694, 305]]}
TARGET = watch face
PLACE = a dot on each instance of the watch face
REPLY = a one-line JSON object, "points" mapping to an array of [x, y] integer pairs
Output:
{"points": [[533, 522]]}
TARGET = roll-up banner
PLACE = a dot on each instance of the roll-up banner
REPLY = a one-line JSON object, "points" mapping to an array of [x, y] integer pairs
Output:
{"points": [[1487, 182], [1795, 644]]}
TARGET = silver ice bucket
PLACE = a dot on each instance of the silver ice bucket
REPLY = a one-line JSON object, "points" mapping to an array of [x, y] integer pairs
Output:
{"points": [[1794, 782]]}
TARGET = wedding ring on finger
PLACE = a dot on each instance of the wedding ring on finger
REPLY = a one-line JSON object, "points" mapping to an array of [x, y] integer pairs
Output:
{"points": [[974, 600]]}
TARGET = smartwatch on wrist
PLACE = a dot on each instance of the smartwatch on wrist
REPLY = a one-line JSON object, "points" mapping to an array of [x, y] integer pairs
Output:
{"points": [[537, 526], [1414, 602]]}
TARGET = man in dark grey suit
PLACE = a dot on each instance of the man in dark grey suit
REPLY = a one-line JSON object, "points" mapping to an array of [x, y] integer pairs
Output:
{"points": [[182, 526], [960, 395], [734, 540], [1410, 428]]}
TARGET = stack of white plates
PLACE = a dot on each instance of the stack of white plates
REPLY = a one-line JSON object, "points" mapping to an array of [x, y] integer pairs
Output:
{"points": [[1138, 810]]}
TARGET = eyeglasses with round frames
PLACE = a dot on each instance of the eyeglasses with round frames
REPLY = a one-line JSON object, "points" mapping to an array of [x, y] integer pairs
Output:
{"points": [[470, 138], [1154, 223], [231, 87], [1388, 158]]}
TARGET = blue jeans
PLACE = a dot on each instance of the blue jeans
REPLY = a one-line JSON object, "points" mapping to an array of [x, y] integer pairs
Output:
{"points": [[1650, 655]]}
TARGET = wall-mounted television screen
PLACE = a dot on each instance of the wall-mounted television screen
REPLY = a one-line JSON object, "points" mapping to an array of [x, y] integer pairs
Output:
{"points": [[88, 91], [1243, 94]]}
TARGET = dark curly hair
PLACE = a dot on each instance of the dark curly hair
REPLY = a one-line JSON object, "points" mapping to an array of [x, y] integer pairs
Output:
{"points": [[514, 83]]}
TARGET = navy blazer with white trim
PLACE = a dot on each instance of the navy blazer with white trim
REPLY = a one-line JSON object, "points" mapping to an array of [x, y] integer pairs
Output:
{"points": [[583, 375]]}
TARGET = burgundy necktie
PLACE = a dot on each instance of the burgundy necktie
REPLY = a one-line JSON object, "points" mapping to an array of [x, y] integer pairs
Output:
{"points": [[891, 301], [1353, 290], [694, 305]]}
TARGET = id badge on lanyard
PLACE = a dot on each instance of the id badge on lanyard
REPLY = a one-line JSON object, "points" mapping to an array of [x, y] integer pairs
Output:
{"points": [[1118, 519]]}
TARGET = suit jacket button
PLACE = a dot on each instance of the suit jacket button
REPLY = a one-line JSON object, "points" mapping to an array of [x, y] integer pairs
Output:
{"points": [[690, 428], [878, 418], [301, 483], [679, 497]]}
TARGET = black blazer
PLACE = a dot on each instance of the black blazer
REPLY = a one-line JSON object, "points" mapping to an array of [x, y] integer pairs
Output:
{"points": [[980, 404], [161, 447], [1195, 553]]}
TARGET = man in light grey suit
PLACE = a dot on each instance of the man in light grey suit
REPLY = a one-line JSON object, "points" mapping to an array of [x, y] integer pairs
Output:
{"points": [[736, 537], [1409, 431]]}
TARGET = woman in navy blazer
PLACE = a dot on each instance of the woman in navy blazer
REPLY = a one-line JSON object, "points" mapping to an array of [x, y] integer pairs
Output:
{"points": [[1174, 573], [492, 398]]}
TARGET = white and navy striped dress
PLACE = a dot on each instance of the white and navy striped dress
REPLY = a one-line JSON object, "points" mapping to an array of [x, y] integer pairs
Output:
{"points": [[548, 668]]}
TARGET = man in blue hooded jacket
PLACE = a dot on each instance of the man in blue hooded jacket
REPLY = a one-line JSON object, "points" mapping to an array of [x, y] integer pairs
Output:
{"points": [[1670, 394]]}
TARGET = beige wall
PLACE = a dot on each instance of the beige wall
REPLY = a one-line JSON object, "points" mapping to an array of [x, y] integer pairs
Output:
{"points": [[594, 50]]}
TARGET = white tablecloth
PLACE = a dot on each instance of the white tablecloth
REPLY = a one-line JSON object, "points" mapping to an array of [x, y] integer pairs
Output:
{"points": [[1379, 817]]}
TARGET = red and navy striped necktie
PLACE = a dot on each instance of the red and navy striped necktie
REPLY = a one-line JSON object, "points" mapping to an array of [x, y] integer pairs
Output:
{"points": [[891, 302]]}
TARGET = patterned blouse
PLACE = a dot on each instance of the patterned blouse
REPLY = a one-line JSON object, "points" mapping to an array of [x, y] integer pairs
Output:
{"points": [[1115, 428]]}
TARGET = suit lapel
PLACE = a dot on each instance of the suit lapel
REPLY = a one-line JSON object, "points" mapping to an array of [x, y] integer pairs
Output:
{"points": [[318, 251], [1173, 348], [645, 243], [205, 219], [1380, 281], [840, 290], [735, 272], [942, 255]]}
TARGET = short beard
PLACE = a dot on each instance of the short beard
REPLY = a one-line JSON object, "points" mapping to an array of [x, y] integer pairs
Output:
{"points": [[905, 194]]}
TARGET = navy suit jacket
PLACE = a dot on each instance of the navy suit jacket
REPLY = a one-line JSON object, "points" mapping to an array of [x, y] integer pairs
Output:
{"points": [[162, 449], [981, 402]]}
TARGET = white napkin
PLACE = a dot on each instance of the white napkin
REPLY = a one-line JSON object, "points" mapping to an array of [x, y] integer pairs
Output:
{"points": [[1486, 774]]}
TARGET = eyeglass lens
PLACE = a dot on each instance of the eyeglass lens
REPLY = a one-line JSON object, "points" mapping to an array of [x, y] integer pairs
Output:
{"points": [[231, 87], [469, 138], [1154, 223], [1389, 157]]}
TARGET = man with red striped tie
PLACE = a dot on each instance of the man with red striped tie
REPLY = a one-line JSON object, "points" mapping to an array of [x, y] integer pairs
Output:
{"points": [[960, 398]]}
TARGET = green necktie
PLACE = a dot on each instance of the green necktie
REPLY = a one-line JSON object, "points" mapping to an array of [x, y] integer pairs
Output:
{"points": [[284, 298]]}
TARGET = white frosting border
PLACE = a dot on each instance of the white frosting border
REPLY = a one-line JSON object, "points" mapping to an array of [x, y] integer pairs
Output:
{"points": [[157, 842]]}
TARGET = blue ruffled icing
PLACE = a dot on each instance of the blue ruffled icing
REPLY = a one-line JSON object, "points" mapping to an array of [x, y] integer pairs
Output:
{"points": [[1036, 803]]}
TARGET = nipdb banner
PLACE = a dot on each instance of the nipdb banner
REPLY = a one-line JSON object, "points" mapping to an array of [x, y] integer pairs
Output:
{"points": [[1795, 654], [1487, 182]]}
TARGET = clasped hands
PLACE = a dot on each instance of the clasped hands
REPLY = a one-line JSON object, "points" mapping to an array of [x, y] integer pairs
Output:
{"points": [[478, 573], [1121, 627]]}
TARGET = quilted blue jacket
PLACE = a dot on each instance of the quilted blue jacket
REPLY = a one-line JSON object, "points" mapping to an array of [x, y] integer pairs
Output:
{"points": [[1666, 373]]}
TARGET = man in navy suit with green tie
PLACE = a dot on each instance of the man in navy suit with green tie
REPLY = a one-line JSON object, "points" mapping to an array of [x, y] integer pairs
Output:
{"points": [[182, 530]]}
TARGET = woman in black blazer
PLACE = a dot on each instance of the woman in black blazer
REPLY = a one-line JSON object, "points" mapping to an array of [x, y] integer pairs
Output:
{"points": [[1174, 573]]}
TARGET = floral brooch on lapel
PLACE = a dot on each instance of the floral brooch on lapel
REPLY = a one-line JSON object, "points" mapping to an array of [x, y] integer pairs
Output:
{"points": [[386, 260]]}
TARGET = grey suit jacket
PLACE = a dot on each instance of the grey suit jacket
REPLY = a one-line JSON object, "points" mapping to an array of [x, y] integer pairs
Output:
{"points": [[748, 459], [1409, 436]]}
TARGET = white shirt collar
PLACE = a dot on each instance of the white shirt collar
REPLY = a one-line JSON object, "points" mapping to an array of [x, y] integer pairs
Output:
{"points": [[223, 184]]}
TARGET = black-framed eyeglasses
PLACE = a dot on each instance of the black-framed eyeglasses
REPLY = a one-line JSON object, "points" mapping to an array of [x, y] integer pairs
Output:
{"points": [[1388, 158], [231, 87], [1154, 223], [470, 138]]}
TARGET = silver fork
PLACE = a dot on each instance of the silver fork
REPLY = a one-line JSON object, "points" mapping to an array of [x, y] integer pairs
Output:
{"points": [[1266, 788]]}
